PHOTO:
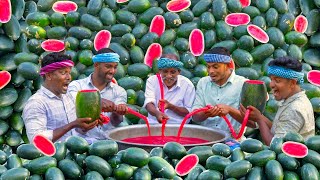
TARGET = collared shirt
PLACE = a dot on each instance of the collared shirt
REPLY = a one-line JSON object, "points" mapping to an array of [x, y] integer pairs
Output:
{"points": [[294, 114], [182, 94], [45, 112], [112, 92], [210, 93]]}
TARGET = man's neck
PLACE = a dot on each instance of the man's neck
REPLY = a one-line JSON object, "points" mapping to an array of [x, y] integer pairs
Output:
{"points": [[98, 83], [51, 89], [225, 79]]}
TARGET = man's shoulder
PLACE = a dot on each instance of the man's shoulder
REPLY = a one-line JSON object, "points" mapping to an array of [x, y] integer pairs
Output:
{"points": [[185, 80], [204, 80], [117, 87]]}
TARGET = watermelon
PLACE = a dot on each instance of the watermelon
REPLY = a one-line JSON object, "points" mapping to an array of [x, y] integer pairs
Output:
{"points": [[313, 77], [196, 42], [301, 24], [178, 5], [122, 1], [44, 145], [257, 33], [232, 65], [245, 3], [186, 164], [237, 19], [154, 51], [64, 7], [5, 78], [88, 104], [102, 40], [114, 81], [158, 25], [5, 11], [53, 45], [295, 149], [252, 94]]}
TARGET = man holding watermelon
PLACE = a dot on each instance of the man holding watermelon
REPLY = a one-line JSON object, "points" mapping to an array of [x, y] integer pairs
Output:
{"points": [[222, 90], [50, 111], [295, 113], [113, 97], [179, 92]]}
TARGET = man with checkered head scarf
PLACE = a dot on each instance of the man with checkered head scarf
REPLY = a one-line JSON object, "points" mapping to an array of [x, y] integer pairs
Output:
{"points": [[295, 113], [179, 92]]}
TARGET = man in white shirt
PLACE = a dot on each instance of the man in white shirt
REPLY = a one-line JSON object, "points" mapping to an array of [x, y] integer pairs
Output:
{"points": [[179, 92]]}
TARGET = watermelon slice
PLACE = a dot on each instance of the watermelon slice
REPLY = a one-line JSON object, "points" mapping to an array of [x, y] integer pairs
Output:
{"points": [[257, 33], [196, 42], [154, 51], [295, 149], [114, 81], [44, 145], [158, 25], [64, 7], [122, 1], [178, 5], [313, 77], [232, 65], [245, 3], [301, 24], [53, 45], [186, 164], [102, 40], [5, 11], [5, 78], [237, 19]]}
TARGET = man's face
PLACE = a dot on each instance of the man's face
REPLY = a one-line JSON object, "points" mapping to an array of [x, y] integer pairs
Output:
{"points": [[60, 79], [169, 76], [218, 72], [107, 71], [282, 88]]}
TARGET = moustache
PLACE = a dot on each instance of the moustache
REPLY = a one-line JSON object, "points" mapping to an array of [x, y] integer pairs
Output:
{"points": [[169, 79]]}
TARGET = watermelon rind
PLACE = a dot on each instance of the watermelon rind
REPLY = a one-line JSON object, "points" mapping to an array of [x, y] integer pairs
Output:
{"points": [[5, 11], [229, 22], [40, 147], [97, 39], [296, 21], [55, 7], [194, 45], [313, 77], [172, 5], [5, 78], [302, 147], [56, 46], [147, 59], [257, 28], [157, 21], [190, 166]]}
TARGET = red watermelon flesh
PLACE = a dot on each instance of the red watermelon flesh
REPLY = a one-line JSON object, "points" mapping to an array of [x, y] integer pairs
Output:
{"points": [[154, 51], [301, 24], [186, 164], [158, 25], [5, 78], [178, 5], [196, 42], [122, 1], [44, 145], [232, 65], [313, 77], [245, 3], [5, 11], [102, 40], [295, 149], [114, 81], [237, 19], [257, 33], [64, 7], [53, 45]]}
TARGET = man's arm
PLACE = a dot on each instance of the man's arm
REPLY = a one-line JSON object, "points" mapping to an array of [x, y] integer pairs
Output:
{"points": [[120, 107], [235, 114], [151, 108]]}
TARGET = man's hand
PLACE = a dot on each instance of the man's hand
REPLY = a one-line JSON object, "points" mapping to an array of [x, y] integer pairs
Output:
{"points": [[166, 103], [225, 109], [121, 109], [212, 112], [85, 124], [160, 116], [107, 106], [255, 114]]}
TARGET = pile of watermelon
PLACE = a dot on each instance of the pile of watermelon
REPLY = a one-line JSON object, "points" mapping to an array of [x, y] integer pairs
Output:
{"points": [[286, 158], [140, 31]]}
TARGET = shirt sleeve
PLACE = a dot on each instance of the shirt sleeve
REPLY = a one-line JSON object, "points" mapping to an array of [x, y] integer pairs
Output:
{"points": [[35, 120], [189, 97], [289, 121], [149, 94], [73, 89], [121, 96], [199, 100]]}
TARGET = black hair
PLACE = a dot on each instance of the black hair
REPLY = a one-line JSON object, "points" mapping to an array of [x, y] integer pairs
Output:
{"points": [[287, 62], [170, 56], [105, 50], [54, 57], [219, 50]]}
